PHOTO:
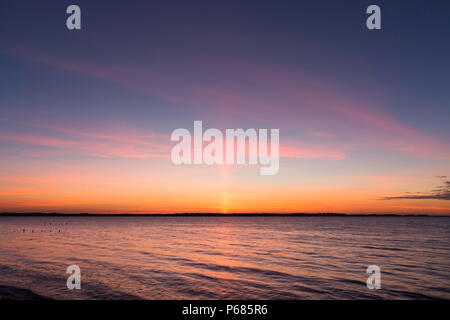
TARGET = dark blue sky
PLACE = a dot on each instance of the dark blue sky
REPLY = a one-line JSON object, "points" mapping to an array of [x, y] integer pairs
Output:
{"points": [[407, 61]]}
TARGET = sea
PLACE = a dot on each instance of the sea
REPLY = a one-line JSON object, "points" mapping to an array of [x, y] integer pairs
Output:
{"points": [[225, 257]]}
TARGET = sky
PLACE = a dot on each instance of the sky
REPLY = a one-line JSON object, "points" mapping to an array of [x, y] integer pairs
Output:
{"points": [[86, 115]]}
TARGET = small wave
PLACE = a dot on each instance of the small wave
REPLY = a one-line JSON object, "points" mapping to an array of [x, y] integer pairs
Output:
{"points": [[412, 295], [245, 270], [383, 248]]}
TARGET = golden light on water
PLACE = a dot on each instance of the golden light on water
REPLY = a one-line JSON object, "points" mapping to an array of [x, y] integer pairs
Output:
{"points": [[225, 202]]}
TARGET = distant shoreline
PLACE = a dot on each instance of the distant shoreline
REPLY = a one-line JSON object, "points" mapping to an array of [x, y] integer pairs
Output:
{"points": [[55, 214]]}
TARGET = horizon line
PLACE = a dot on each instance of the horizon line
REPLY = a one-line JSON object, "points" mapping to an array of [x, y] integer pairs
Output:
{"points": [[194, 214]]}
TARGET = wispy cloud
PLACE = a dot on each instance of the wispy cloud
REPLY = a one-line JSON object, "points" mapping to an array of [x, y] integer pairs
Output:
{"points": [[441, 192], [276, 96], [106, 144], [297, 151]]}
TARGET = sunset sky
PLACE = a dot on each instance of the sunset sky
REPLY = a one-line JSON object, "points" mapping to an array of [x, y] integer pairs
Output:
{"points": [[86, 116]]}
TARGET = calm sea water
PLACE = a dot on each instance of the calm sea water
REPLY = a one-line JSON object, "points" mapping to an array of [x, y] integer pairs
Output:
{"points": [[227, 257]]}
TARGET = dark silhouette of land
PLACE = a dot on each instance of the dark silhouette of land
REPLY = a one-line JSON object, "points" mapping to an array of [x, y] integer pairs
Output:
{"points": [[13, 293]]}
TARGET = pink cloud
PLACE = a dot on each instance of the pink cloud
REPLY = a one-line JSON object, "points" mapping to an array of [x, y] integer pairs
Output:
{"points": [[269, 95], [301, 152], [108, 144]]}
